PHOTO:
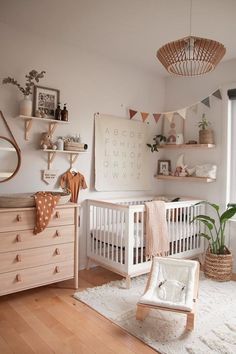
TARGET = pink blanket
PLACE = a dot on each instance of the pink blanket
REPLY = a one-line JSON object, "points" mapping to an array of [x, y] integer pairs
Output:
{"points": [[157, 242]]}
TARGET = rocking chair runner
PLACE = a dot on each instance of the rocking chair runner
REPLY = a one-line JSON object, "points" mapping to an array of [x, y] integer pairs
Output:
{"points": [[172, 286]]}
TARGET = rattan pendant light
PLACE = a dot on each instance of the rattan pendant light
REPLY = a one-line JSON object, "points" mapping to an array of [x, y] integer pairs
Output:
{"points": [[191, 56]]}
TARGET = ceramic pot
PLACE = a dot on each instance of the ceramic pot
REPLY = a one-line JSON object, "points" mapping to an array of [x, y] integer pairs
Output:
{"points": [[26, 106]]}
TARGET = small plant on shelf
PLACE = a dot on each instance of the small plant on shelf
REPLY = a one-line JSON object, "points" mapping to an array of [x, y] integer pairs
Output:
{"points": [[204, 122]]}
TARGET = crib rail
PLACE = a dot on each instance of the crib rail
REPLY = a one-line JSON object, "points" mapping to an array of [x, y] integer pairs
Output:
{"points": [[117, 231]]}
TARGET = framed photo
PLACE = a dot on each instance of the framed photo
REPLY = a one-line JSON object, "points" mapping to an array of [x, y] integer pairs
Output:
{"points": [[45, 101], [173, 129], [164, 167]]}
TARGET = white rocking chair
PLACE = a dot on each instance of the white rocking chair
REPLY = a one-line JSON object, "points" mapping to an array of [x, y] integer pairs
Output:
{"points": [[172, 286]]}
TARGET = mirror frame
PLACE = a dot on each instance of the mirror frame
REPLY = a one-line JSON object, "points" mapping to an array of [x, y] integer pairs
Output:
{"points": [[19, 159]]}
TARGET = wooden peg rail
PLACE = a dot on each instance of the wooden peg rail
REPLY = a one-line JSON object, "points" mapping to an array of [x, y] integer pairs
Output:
{"points": [[52, 124]]}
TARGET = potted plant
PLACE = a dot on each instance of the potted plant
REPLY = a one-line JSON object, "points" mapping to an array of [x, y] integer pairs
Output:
{"points": [[218, 260], [206, 135], [31, 79]]}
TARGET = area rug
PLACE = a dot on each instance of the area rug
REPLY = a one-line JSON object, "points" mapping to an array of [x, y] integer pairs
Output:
{"points": [[215, 328]]}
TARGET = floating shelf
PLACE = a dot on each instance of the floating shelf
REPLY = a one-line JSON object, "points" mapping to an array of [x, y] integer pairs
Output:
{"points": [[189, 179], [29, 121], [186, 146], [73, 155]]}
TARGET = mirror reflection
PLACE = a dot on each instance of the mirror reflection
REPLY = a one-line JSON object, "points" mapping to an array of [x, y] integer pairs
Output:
{"points": [[9, 159]]}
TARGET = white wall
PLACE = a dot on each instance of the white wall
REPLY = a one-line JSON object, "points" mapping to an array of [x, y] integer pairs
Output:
{"points": [[182, 92], [88, 84]]}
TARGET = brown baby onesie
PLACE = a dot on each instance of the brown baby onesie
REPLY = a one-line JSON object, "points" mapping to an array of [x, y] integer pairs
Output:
{"points": [[74, 183]]}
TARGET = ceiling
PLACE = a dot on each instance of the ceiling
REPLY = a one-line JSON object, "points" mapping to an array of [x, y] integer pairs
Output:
{"points": [[128, 31]]}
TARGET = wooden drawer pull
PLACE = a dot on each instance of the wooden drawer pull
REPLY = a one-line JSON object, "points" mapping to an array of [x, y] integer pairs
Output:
{"points": [[18, 277], [57, 269], [19, 217], [18, 258], [57, 215], [58, 233], [58, 251], [18, 238]]}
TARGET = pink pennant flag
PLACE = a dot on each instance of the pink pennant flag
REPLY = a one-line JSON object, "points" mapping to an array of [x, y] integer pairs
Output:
{"points": [[132, 113], [144, 116], [156, 116]]}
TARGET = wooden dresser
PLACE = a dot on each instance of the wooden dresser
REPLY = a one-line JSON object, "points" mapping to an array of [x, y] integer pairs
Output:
{"points": [[28, 260]]}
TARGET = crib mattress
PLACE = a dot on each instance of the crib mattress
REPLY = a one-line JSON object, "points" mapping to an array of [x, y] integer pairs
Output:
{"points": [[116, 233]]}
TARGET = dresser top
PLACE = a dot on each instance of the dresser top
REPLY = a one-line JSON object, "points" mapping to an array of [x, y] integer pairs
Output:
{"points": [[62, 206]]}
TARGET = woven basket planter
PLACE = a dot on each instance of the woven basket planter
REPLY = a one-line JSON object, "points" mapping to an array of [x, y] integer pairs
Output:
{"points": [[206, 136], [218, 266]]}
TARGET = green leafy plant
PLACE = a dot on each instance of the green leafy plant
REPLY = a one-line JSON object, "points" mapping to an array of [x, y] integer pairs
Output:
{"points": [[215, 227], [160, 137], [31, 79], [204, 122]]}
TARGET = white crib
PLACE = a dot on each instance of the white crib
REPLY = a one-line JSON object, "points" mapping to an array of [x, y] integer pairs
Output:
{"points": [[116, 234]]}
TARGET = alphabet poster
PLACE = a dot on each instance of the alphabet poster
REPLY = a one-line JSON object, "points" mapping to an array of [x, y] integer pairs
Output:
{"points": [[120, 154]]}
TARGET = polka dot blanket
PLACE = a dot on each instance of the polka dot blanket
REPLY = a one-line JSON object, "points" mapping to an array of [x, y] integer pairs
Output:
{"points": [[45, 205]]}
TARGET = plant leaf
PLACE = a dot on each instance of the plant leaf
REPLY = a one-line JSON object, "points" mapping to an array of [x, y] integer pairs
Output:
{"points": [[203, 217], [215, 206], [228, 214], [202, 234]]}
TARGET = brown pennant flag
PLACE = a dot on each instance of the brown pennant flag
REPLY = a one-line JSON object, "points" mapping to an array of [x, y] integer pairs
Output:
{"points": [[132, 113], [156, 116], [144, 116]]}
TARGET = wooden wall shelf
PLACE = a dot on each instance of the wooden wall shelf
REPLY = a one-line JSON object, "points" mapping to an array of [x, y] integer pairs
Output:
{"points": [[186, 146], [185, 179], [73, 155], [29, 121]]}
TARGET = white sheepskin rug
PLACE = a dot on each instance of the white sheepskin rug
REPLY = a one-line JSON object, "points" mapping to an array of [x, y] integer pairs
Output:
{"points": [[215, 327]]}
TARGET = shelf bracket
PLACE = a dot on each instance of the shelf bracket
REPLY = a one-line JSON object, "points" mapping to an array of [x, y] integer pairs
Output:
{"points": [[51, 156], [51, 128], [28, 125], [73, 158]]}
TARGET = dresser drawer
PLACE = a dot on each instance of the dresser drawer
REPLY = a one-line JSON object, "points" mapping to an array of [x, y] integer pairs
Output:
{"points": [[34, 257], [24, 239], [25, 219], [28, 278]]}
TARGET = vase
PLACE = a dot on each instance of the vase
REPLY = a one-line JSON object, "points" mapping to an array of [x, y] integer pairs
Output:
{"points": [[26, 106], [218, 266]]}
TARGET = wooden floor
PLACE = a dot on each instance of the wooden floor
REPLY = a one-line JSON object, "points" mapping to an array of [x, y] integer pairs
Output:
{"points": [[48, 320]]}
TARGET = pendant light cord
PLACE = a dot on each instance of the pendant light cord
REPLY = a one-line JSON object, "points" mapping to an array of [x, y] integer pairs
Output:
{"points": [[190, 21]]}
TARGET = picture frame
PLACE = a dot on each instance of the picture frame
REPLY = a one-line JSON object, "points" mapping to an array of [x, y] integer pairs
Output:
{"points": [[173, 128], [45, 101], [164, 167]]}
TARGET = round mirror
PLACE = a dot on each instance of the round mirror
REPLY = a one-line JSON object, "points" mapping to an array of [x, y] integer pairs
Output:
{"points": [[10, 159]]}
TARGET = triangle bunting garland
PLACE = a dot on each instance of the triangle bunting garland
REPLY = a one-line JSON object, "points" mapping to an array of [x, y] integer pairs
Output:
{"points": [[217, 94], [181, 112], [206, 101], [132, 113], [144, 116], [156, 116]]}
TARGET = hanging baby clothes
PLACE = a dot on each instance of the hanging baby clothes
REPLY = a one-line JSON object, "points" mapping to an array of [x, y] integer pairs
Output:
{"points": [[74, 183], [45, 205]]}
